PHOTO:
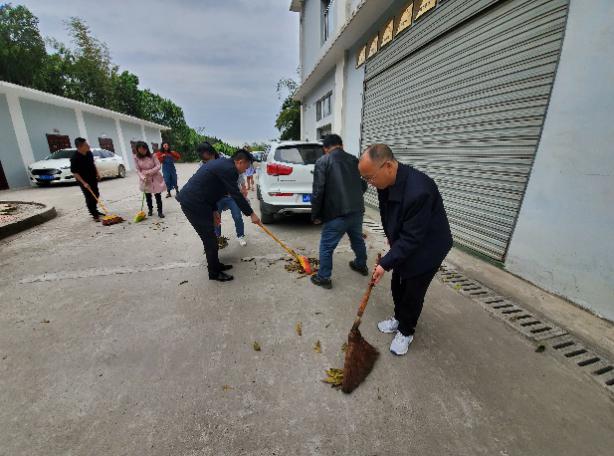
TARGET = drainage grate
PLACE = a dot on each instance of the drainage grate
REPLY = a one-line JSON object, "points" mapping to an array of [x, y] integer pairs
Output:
{"points": [[563, 345]]}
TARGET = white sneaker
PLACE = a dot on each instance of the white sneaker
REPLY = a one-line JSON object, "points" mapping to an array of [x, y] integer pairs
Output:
{"points": [[388, 326], [242, 241], [400, 344]]}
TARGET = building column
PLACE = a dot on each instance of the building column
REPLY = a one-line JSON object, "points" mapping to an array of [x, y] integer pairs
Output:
{"points": [[143, 133], [122, 144], [81, 125], [337, 126], [21, 132]]}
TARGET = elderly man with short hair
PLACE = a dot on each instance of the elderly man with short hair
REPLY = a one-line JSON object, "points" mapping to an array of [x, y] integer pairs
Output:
{"points": [[418, 232]]}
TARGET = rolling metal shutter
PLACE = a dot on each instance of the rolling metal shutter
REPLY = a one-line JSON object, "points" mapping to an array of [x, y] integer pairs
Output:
{"points": [[462, 95]]}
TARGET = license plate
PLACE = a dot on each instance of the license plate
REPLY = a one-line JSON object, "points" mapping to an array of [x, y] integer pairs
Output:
{"points": [[306, 198], [45, 177]]}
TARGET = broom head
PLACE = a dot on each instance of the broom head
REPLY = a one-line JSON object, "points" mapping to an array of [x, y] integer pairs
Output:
{"points": [[140, 216], [360, 356], [305, 264], [111, 220]]}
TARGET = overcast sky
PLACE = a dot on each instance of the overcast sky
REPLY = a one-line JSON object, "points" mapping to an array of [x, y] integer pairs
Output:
{"points": [[219, 60]]}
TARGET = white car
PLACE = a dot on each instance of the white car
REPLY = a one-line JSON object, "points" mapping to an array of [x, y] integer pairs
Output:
{"points": [[285, 179], [55, 168]]}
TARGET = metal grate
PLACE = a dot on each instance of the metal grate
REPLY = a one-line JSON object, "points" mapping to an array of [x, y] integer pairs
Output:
{"points": [[555, 339]]}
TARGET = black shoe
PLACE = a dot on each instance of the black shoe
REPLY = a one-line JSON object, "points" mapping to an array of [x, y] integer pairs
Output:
{"points": [[221, 277], [160, 214], [225, 267], [361, 270], [324, 283], [99, 214], [150, 212], [168, 194]]}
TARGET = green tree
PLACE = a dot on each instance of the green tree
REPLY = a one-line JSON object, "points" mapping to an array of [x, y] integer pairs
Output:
{"points": [[22, 49], [288, 120], [126, 96], [92, 68]]}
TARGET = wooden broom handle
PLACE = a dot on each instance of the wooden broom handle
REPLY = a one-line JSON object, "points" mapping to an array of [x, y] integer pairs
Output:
{"points": [[286, 248], [365, 297], [106, 211]]}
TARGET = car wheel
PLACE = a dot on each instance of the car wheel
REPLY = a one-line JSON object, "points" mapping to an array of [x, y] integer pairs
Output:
{"points": [[121, 171], [258, 194], [266, 217]]}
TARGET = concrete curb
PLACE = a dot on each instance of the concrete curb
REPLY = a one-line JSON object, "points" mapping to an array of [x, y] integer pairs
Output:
{"points": [[43, 215]]}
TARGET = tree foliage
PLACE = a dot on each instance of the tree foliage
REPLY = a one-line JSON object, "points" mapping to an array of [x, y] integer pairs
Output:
{"points": [[288, 120], [86, 72]]}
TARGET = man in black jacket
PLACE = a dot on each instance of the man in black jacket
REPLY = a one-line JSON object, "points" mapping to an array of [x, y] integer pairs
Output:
{"points": [[418, 233], [337, 201], [82, 166], [199, 196]]}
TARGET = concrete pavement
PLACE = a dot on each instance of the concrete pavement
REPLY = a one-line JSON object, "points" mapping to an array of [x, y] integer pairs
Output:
{"points": [[106, 349]]}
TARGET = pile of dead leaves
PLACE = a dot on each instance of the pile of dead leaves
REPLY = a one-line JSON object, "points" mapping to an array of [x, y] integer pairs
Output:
{"points": [[334, 377], [294, 266], [222, 242]]}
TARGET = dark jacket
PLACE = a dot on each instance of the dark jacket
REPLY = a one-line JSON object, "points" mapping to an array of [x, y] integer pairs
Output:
{"points": [[211, 182], [337, 186], [415, 223]]}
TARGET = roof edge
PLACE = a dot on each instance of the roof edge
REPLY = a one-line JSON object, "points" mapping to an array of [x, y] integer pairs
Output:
{"points": [[39, 95]]}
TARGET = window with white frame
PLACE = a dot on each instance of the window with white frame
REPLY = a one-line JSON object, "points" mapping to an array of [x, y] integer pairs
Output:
{"points": [[324, 106], [326, 19]]}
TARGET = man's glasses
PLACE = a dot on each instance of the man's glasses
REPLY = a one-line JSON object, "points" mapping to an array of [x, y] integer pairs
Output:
{"points": [[370, 178]]}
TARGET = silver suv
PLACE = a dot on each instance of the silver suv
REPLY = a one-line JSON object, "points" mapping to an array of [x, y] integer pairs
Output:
{"points": [[285, 179]]}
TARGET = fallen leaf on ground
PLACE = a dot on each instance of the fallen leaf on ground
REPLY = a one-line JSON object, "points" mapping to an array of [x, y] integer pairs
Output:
{"points": [[257, 346], [182, 282], [317, 347], [45, 321], [334, 377], [227, 387], [299, 328], [540, 348]]}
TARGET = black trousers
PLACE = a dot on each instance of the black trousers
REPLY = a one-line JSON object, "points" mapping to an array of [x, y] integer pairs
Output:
{"points": [[90, 201], [408, 296], [202, 221], [150, 202]]}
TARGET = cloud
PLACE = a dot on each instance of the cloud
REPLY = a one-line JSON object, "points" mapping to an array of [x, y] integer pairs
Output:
{"points": [[219, 60]]}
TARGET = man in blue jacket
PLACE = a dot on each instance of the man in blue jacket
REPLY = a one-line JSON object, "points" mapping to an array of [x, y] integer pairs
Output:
{"points": [[418, 233], [199, 197]]}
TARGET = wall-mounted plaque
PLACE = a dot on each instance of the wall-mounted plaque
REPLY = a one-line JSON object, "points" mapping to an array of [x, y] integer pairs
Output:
{"points": [[362, 56], [387, 33], [373, 46], [423, 6], [405, 18]]}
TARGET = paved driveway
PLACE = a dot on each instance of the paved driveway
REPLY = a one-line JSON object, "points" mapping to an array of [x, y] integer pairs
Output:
{"points": [[113, 342]]}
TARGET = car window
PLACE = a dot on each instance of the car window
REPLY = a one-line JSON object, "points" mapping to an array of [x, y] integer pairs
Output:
{"points": [[299, 155], [106, 154], [96, 153], [64, 153]]}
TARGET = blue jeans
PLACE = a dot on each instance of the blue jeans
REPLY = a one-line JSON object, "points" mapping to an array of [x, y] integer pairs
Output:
{"points": [[228, 203], [332, 232]]}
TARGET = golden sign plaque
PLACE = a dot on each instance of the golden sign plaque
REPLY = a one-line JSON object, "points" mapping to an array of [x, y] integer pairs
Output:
{"points": [[405, 18], [388, 33], [422, 6], [373, 46], [362, 56]]}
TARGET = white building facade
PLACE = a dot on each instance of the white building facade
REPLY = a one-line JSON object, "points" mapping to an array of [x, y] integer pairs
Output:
{"points": [[505, 103], [33, 124]]}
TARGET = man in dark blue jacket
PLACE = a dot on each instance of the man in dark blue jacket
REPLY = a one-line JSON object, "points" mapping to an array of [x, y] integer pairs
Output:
{"points": [[418, 233], [199, 196]]}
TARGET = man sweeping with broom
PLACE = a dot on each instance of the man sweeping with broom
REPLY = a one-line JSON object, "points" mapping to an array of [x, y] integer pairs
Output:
{"points": [[418, 233]]}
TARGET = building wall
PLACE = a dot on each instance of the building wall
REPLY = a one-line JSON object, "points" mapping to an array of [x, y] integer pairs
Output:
{"points": [[352, 105], [98, 126], [310, 124], [153, 136], [43, 118], [564, 237], [12, 163], [311, 35], [132, 132]]}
